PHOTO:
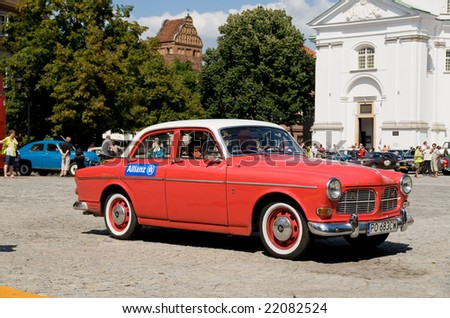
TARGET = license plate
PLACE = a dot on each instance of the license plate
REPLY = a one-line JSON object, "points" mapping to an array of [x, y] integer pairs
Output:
{"points": [[403, 167], [381, 227]]}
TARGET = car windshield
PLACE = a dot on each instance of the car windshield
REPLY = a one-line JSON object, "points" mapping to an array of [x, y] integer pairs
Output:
{"points": [[257, 139]]}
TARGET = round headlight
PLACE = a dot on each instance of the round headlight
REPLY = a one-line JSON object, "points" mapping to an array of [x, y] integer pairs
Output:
{"points": [[406, 184], [334, 189]]}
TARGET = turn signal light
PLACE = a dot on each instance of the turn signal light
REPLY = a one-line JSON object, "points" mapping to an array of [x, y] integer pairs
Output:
{"points": [[324, 213], [406, 204]]}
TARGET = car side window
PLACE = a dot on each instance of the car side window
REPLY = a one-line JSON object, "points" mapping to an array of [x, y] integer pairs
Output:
{"points": [[155, 146], [52, 147], [198, 145], [37, 147]]}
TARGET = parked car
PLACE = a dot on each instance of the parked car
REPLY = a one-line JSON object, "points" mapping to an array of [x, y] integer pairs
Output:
{"points": [[44, 157], [403, 153], [343, 155], [379, 160], [407, 165], [238, 177]]}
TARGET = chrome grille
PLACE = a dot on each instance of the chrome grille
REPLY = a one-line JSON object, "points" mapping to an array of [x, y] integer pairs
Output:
{"points": [[357, 201], [389, 199]]}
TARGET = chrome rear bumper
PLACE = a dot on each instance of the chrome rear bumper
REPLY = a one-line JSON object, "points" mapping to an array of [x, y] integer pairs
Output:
{"points": [[80, 205], [354, 227]]}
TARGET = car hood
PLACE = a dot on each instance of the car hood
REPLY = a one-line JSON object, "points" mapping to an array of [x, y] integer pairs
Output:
{"points": [[312, 171]]}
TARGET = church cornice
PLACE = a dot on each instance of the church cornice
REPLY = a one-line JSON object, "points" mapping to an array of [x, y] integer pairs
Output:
{"points": [[355, 24], [407, 38]]}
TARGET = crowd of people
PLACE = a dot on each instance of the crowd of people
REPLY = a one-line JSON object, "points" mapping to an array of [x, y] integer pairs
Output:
{"points": [[427, 160]]}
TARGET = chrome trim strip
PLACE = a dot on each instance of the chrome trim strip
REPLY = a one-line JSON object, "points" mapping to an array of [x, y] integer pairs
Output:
{"points": [[195, 181], [273, 185], [121, 178], [142, 178], [339, 229], [97, 178]]}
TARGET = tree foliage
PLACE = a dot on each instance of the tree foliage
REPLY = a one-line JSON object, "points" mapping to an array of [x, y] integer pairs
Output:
{"points": [[86, 70], [259, 70]]}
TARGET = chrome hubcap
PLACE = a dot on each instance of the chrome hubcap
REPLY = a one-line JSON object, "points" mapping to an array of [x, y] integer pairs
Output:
{"points": [[282, 229], [119, 214]]}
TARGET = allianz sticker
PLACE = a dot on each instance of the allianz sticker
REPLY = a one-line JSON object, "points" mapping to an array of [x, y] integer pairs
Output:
{"points": [[140, 170]]}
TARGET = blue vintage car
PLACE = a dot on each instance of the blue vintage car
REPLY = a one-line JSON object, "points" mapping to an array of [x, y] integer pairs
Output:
{"points": [[44, 157]]}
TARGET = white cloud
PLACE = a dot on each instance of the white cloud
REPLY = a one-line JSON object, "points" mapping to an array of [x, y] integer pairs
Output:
{"points": [[207, 23]]}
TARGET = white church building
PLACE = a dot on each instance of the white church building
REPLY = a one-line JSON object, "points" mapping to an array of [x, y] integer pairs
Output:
{"points": [[382, 73]]}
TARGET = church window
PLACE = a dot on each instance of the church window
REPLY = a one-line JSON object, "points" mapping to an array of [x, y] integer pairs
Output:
{"points": [[447, 61], [366, 58]]}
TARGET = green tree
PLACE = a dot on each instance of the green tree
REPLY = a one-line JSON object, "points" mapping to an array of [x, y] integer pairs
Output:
{"points": [[86, 70], [259, 70]]}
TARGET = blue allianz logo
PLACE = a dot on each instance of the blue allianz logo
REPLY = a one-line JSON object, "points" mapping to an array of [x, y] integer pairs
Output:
{"points": [[140, 170]]}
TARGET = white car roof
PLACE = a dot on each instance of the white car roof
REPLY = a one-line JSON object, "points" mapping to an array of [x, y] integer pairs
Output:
{"points": [[212, 124]]}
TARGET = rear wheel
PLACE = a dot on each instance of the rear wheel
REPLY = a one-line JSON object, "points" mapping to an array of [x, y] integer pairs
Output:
{"points": [[73, 168], [120, 219], [283, 231], [25, 168], [364, 241]]}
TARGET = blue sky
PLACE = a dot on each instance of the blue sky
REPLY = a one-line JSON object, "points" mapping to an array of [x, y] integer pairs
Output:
{"points": [[208, 15]]}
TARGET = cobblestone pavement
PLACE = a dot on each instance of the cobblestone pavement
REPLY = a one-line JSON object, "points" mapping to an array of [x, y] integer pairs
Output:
{"points": [[50, 249]]}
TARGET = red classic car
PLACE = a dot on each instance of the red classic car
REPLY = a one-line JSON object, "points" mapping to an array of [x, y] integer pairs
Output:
{"points": [[239, 177]]}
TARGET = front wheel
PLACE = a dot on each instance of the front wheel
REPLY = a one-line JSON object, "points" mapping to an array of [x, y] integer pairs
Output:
{"points": [[364, 241], [283, 231], [120, 219]]}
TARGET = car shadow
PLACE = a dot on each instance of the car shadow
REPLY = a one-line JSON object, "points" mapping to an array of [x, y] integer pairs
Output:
{"points": [[326, 251], [250, 244], [8, 248], [337, 250]]}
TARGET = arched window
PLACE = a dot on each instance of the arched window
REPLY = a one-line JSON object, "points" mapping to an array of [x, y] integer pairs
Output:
{"points": [[366, 58]]}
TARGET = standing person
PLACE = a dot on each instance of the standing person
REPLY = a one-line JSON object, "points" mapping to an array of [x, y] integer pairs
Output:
{"points": [[424, 146], [79, 158], [435, 161], [107, 148], [427, 161], [9, 149], [65, 153], [418, 160], [362, 152]]}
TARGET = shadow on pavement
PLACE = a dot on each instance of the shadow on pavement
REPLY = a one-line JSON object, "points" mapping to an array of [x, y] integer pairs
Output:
{"points": [[327, 251]]}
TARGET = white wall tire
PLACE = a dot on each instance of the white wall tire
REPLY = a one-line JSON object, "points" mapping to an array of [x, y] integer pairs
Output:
{"points": [[120, 219], [283, 231]]}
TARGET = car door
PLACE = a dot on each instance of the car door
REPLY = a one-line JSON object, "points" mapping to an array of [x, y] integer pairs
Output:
{"points": [[195, 185], [52, 156], [36, 155], [144, 173]]}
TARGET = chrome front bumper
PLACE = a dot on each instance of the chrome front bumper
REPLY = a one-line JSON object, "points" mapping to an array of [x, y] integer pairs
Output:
{"points": [[354, 227]]}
